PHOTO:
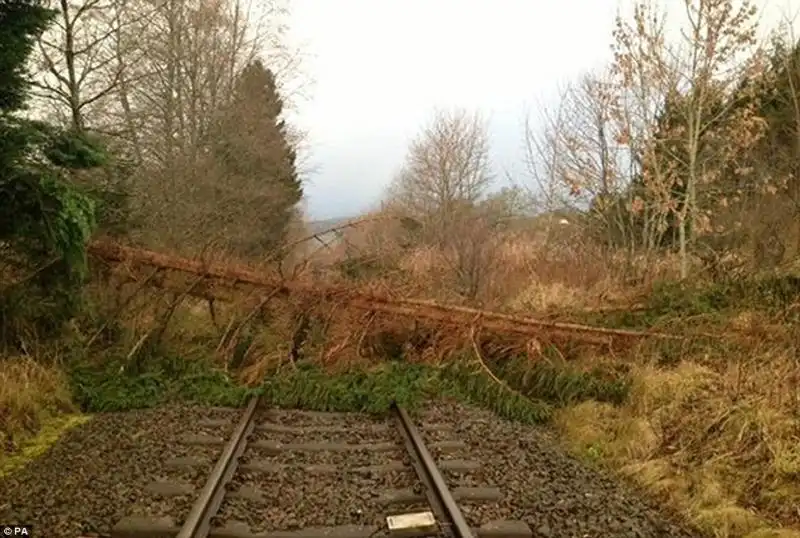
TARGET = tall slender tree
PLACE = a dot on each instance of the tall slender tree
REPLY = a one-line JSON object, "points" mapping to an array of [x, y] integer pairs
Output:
{"points": [[257, 162]]}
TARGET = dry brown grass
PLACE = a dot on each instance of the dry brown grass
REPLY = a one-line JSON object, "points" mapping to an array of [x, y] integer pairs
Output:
{"points": [[529, 271], [719, 440], [725, 455], [31, 393], [717, 436]]}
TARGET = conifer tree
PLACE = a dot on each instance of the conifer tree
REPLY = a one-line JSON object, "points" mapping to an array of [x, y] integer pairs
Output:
{"points": [[258, 160], [43, 216]]}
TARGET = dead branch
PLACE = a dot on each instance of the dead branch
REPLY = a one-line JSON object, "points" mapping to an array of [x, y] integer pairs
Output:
{"points": [[334, 229], [370, 301], [234, 337], [485, 367], [370, 317], [122, 306]]}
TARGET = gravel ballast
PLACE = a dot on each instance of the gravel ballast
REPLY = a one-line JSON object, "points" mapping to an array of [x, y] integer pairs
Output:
{"points": [[542, 485], [338, 491], [313, 500], [99, 473]]}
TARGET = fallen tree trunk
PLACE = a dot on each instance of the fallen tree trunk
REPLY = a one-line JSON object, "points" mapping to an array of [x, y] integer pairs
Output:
{"points": [[414, 308]]}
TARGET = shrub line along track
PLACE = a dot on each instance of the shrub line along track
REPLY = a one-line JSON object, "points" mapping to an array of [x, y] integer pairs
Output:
{"points": [[449, 520]]}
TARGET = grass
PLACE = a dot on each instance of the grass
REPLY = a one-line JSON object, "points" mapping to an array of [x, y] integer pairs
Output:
{"points": [[36, 445], [714, 431], [358, 388], [31, 392], [50, 397], [45, 398], [564, 384], [35, 409], [113, 386], [372, 390]]}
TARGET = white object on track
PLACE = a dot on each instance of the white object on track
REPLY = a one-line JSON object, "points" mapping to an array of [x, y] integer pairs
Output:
{"points": [[414, 523]]}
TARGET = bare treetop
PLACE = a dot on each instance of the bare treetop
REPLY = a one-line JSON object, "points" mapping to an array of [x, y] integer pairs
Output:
{"points": [[447, 164]]}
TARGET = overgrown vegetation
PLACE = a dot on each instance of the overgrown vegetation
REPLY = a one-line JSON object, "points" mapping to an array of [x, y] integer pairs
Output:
{"points": [[660, 195], [531, 395], [31, 393], [46, 221]]}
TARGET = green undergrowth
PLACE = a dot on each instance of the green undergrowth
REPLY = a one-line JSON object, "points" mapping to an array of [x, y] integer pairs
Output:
{"points": [[410, 385], [561, 384], [158, 380], [527, 392], [678, 304]]}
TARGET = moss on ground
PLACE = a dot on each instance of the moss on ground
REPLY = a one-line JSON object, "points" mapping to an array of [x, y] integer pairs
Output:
{"points": [[32, 447], [33, 393]]}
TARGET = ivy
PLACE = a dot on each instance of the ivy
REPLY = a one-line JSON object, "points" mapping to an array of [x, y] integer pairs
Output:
{"points": [[44, 215], [71, 223]]}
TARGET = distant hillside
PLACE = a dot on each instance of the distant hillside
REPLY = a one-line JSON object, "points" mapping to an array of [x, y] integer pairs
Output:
{"points": [[318, 226], [531, 222]]}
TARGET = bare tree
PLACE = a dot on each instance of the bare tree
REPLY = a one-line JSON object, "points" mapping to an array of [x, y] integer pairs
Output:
{"points": [[575, 160], [77, 56], [443, 186], [170, 100], [542, 146], [447, 169], [718, 37]]}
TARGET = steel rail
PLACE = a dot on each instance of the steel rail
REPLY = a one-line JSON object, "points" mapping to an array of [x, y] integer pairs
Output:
{"points": [[432, 476], [198, 522]]}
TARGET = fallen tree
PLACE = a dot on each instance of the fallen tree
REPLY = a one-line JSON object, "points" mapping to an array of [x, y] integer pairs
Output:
{"points": [[216, 281]]}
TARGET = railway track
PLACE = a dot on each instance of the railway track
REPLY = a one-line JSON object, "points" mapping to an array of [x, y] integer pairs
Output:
{"points": [[265, 482]]}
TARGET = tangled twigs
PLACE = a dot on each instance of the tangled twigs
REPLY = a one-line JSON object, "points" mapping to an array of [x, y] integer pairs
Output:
{"points": [[225, 335], [316, 235], [298, 338], [485, 367], [235, 335], [212, 312], [326, 325], [327, 355], [122, 306], [178, 300], [359, 348], [30, 276], [159, 329], [428, 311]]}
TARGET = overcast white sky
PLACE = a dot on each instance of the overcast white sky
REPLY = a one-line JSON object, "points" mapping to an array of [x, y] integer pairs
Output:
{"points": [[381, 66]]}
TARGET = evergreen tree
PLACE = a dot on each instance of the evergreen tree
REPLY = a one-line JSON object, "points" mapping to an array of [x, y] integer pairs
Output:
{"points": [[21, 22], [42, 215], [258, 160], [777, 95]]}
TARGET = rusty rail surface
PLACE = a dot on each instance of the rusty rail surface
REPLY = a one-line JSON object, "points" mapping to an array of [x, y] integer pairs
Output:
{"points": [[198, 523]]}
